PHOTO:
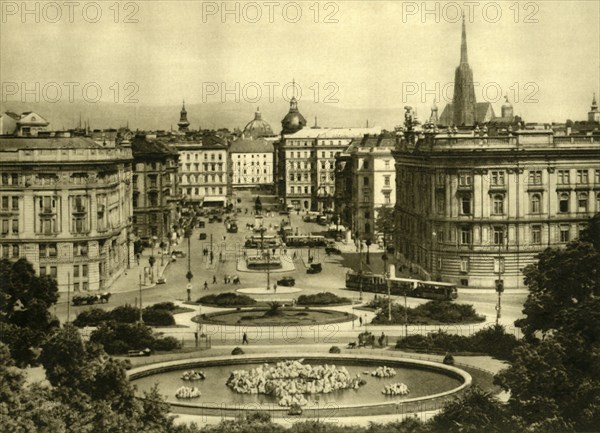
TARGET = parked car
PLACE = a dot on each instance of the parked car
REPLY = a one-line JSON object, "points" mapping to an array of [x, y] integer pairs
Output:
{"points": [[315, 268], [286, 281], [161, 280], [202, 224], [202, 236], [333, 250], [233, 228], [178, 253]]}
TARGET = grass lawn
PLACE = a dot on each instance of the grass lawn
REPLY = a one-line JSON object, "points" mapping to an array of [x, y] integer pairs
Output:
{"points": [[284, 317]]}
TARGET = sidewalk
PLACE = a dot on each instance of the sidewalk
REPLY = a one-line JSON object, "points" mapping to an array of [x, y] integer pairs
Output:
{"points": [[129, 281]]}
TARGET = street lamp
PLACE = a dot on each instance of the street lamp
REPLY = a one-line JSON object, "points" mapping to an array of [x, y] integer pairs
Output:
{"points": [[189, 275], [384, 257], [499, 287]]}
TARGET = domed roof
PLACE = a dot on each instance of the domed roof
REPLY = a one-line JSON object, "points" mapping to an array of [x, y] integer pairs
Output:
{"points": [[257, 128], [293, 121]]}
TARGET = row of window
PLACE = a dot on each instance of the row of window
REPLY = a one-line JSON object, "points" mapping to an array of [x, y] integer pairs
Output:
{"points": [[499, 235], [534, 177], [535, 203], [193, 178], [205, 167], [207, 191], [188, 156], [9, 225], [365, 164], [264, 155]]}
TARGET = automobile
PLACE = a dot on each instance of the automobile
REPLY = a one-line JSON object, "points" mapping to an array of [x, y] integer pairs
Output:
{"points": [[233, 228], [308, 218], [315, 268], [286, 281], [322, 220], [202, 236], [202, 224], [212, 219], [161, 280], [219, 218], [178, 253], [284, 212], [332, 250]]}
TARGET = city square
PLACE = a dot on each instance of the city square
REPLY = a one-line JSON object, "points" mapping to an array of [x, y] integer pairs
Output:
{"points": [[224, 217]]}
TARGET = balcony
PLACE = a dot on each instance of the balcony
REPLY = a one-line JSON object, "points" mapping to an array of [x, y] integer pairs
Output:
{"points": [[78, 210], [47, 211]]}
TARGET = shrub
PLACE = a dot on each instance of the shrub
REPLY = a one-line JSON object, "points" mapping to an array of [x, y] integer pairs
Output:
{"points": [[493, 341], [158, 317], [237, 351], [163, 306], [323, 298], [125, 314], [432, 312], [91, 317], [228, 299], [335, 349], [166, 344], [118, 338]]}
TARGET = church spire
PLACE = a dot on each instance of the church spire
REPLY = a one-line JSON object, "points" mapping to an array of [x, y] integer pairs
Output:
{"points": [[183, 121], [464, 56]]}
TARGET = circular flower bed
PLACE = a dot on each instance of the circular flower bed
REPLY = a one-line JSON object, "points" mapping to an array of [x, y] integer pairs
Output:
{"points": [[383, 371], [193, 375], [187, 392], [290, 380], [395, 389]]}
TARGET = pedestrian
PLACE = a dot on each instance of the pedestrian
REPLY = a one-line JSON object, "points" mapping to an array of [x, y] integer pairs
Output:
{"points": [[225, 279], [224, 237], [245, 338], [275, 288], [273, 251], [360, 320], [205, 285], [220, 256], [211, 257], [214, 279]]}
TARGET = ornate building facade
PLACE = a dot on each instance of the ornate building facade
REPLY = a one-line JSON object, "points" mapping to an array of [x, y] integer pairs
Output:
{"points": [[65, 205], [155, 189], [473, 209], [365, 179], [250, 162]]}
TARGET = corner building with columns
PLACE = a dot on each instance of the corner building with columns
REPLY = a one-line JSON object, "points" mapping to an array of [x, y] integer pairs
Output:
{"points": [[65, 206], [473, 209]]}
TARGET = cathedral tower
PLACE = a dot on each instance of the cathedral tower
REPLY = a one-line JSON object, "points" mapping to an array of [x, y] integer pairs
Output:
{"points": [[464, 101]]}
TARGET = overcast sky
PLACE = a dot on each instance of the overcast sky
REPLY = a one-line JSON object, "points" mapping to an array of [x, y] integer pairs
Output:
{"points": [[379, 54]]}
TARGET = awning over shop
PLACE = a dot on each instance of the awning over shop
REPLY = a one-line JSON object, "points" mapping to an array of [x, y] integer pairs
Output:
{"points": [[214, 200]]}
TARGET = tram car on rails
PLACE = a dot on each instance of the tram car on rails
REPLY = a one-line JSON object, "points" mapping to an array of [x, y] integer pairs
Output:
{"points": [[300, 241], [376, 283]]}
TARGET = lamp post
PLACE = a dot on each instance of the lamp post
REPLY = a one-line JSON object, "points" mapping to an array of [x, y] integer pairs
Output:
{"points": [[360, 271], [189, 275], [141, 320], [384, 257], [499, 287], [368, 242]]}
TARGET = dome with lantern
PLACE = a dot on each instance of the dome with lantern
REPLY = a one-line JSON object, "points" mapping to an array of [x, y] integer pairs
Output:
{"points": [[293, 120], [257, 128]]}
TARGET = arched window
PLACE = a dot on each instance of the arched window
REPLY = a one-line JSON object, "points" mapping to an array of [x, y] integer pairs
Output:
{"points": [[499, 204], [535, 203], [563, 203], [184, 179]]}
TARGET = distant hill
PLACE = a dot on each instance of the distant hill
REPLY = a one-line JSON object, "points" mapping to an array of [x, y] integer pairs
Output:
{"points": [[211, 115]]}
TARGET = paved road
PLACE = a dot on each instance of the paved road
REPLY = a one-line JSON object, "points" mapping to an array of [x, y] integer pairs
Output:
{"points": [[230, 246]]}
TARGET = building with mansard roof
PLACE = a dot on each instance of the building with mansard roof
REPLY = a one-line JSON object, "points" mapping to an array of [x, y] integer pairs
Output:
{"points": [[65, 206], [473, 208]]}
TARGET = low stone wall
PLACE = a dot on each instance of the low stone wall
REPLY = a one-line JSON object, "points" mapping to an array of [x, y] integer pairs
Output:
{"points": [[326, 410]]}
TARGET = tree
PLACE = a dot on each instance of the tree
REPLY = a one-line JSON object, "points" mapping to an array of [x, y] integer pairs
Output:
{"points": [[385, 223], [477, 411], [555, 381], [25, 299]]}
